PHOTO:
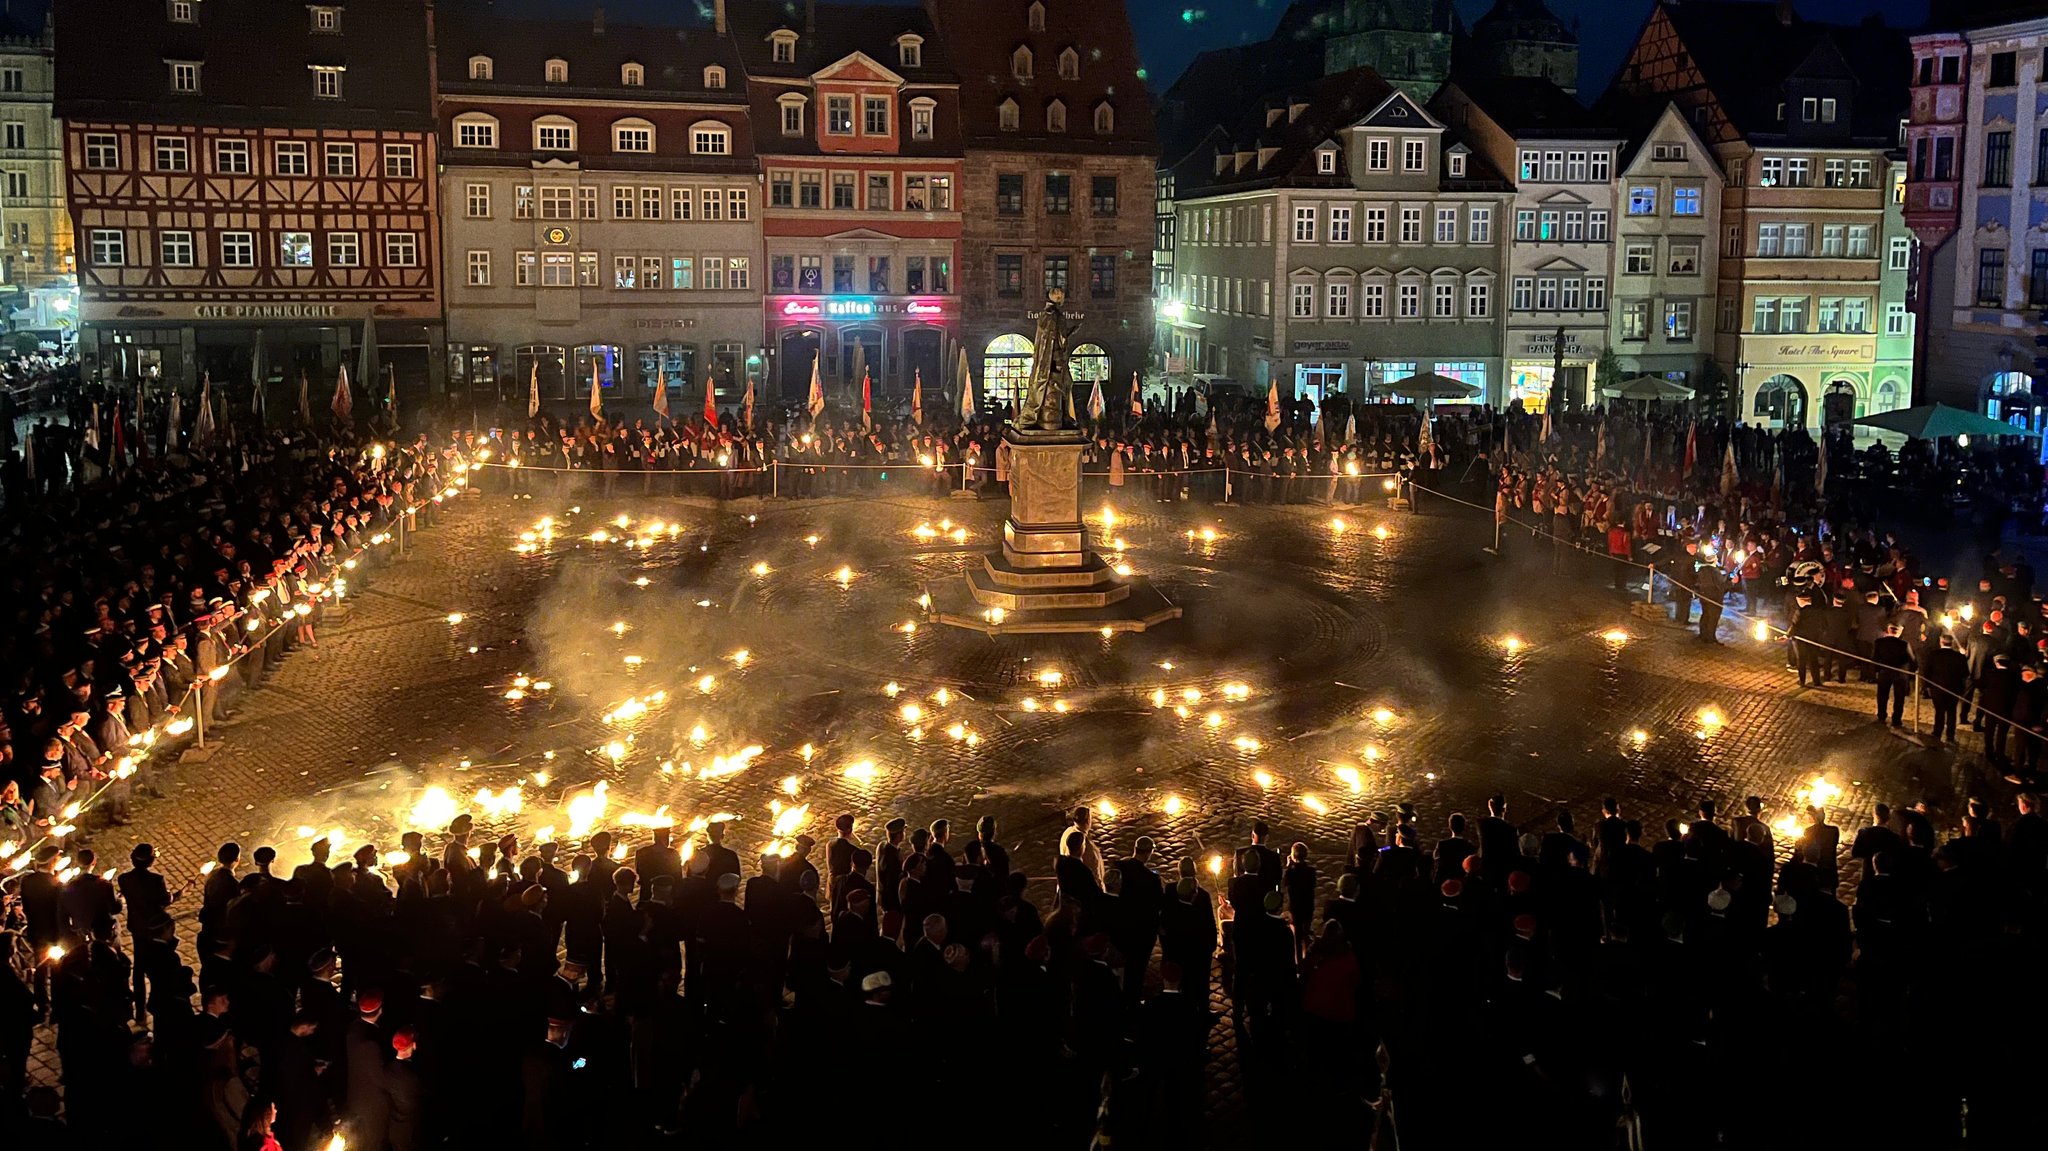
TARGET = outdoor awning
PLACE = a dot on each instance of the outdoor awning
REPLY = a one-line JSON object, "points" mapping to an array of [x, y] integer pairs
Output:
{"points": [[1940, 422]]}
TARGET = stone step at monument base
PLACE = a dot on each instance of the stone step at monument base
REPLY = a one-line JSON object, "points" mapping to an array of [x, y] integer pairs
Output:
{"points": [[957, 603], [992, 590], [1092, 573]]}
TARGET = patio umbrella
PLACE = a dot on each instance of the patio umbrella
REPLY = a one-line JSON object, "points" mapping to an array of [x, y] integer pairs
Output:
{"points": [[1648, 388], [1940, 422], [1431, 386]]}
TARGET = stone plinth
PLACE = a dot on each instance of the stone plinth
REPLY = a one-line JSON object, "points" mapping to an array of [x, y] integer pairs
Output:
{"points": [[1045, 578]]}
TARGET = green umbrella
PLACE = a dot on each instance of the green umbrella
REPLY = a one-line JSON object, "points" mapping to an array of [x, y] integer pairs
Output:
{"points": [[1648, 388], [1940, 422]]}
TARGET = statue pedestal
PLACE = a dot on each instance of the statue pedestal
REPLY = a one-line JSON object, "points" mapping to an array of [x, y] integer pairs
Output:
{"points": [[1045, 579]]}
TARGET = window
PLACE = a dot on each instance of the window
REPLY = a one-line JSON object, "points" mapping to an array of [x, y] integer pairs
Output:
{"points": [[557, 202], [1546, 293], [1303, 299], [792, 115], [400, 162], [556, 71], [1635, 320], [173, 154], [1860, 174], [1998, 159], [479, 264], [922, 111], [1596, 293], [479, 67], [238, 249], [1667, 152], [1769, 239], [338, 159], [625, 204], [522, 269], [1447, 224], [625, 272], [557, 269], [2037, 277], [1640, 259], [1642, 200], [1809, 109], [109, 248], [1531, 166], [1798, 172], [633, 136], [1070, 64], [1340, 224], [810, 190], [1006, 115], [1602, 161], [1574, 227], [1337, 300], [736, 207], [1685, 259], [842, 191], [1414, 153], [1055, 273], [586, 202], [874, 114], [183, 12], [1479, 226], [344, 249], [1772, 173], [184, 77], [1832, 237], [1792, 314], [1102, 195], [1457, 163], [1102, 277], [477, 132], [1547, 228], [682, 272], [711, 140], [634, 76], [17, 185], [1411, 225], [295, 249], [1795, 239], [1856, 314], [1833, 173], [909, 52], [1409, 302], [1524, 295], [1860, 242], [1375, 225], [1444, 300], [1678, 321], [326, 83], [2004, 70], [1525, 224], [176, 249], [784, 50], [1827, 110], [1685, 201], [839, 115], [1059, 193], [880, 194], [1372, 303], [738, 272], [1378, 154], [1895, 319], [1009, 275], [650, 203], [709, 205], [1899, 254], [1575, 167], [1478, 300], [230, 157], [1553, 167], [102, 151], [1304, 224], [1020, 63], [11, 80]]}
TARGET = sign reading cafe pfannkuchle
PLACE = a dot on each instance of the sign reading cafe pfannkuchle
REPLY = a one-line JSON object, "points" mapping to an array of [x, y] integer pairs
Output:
{"points": [[252, 311]]}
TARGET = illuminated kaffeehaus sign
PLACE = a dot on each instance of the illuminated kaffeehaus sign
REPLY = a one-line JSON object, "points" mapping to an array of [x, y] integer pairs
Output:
{"points": [[856, 307]]}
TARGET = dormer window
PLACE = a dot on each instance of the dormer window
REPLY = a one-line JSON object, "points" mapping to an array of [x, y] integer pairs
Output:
{"points": [[554, 134], [182, 11], [1035, 16], [1326, 161], [479, 67], [632, 75], [782, 48], [1105, 119], [1457, 165], [1273, 116], [1070, 65], [633, 135], [1006, 115], [792, 107], [923, 112], [1020, 63], [557, 71], [325, 19], [910, 51], [1056, 116], [714, 79]]}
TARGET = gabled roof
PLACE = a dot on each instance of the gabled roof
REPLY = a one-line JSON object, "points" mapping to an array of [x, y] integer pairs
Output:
{"points": [[1398, 111], [1637, 119], [981, 36], [827, 33], [1533, 108], [672, 57], [1746, 54]]}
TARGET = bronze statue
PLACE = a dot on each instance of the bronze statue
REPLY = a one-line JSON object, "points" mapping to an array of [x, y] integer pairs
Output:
{"points": [[1046, 407]]}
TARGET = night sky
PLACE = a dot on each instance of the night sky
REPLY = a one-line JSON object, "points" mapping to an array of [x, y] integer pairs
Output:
{"points": [[1171, 32]]}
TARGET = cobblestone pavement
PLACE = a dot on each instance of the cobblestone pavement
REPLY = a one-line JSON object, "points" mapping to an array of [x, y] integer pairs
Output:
{"points": [[1320, 673]]}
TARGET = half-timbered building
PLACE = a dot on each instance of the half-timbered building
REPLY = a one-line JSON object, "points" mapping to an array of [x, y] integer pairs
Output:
{"points": [[252, 187]]}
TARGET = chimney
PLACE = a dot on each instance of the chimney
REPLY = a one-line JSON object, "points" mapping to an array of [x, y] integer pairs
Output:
{"points": [[597, 21], [1785, 14], [718, 16]]}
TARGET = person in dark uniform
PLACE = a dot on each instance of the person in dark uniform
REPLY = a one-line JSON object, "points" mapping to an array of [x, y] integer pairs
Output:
{"points": [[1948, 675], [1894, 662], [1712, 587]]}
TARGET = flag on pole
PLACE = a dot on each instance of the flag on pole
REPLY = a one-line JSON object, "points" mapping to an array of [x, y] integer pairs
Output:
{"points": [[867, 401], [92, 429], [1600, 444], [258, 402], [305, 399], [710, 401], [1820, 469], [344, 403], [1095, 403], [1728, 473], [817, 399], [1350, 427], [533, 390], [747, 406], [202, 426], [1777, 480], [391, 393], [661, 390], [1692, 448], [596, 391], [28, 458], [1273, 405], [966, 382], [1425, 443], [917, 397], [1548, 431], [120, 455], [174, 420], [1137, 399], [1649, 442]]}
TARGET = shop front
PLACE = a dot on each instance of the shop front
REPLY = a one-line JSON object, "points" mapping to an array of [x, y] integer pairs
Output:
{"points": [[180, 344], [1537, 374], [895, 340], [1796, 381], [496, 356]]}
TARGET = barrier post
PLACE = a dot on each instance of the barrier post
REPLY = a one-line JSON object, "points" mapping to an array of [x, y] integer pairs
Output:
{"points": [[775, 479], [1916, 702], [199, 714]]}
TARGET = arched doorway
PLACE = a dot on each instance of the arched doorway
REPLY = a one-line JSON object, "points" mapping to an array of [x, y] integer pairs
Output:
{"points": [[1088, 364], [799, 348], [922, 359], [2009, 396], [1781, 402], [1005, 369], [1891, 396], [1839, 403]]}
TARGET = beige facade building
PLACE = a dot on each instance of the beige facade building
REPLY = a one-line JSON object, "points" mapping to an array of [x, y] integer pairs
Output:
{"points": [[39, 251]]}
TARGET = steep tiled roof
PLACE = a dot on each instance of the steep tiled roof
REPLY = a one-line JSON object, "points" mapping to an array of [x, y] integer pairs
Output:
{"points": [[673, 57], [981, 38], [1746, 54]]}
